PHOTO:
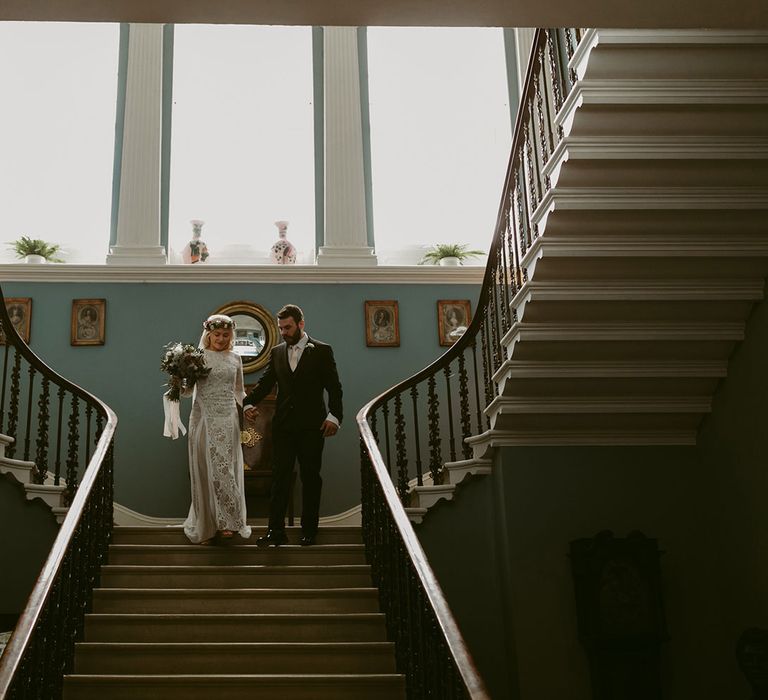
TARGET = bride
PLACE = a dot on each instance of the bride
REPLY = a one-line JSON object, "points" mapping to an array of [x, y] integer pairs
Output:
{"points": [[215, 455]]}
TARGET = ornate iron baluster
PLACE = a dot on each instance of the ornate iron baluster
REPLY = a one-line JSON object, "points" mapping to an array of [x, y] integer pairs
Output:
{"points": [[570, 49], [386, 437], [417, 435], [545, 144], [449, 403], [466, 427], [13, 414], [60, 418], [478, 406], [556, 76], [43, 417], [73, 450], [88, 415], [433, 421], [486, 376], [530, 162], [400, 451], [5, 376], [30, 399], [507, 274]]}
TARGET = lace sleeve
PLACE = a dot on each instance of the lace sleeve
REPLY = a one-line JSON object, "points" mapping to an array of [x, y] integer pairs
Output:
{"points": [[239, 382]]}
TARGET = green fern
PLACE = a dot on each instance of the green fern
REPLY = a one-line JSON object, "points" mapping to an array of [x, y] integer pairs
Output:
{"points": [[34, 246], [449, 250]]}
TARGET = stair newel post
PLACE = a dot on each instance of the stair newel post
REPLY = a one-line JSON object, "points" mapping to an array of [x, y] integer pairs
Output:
{"points": [[449, 404], [73, 438], [30, 399], [401, 458], [13, 415], [466, 427], [385, 411], [43, 418], [433, 421], [5, 378], [417, 436], [60, 419]]}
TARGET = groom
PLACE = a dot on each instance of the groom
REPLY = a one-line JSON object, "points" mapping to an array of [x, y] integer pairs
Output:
{"points": [[303, 369]]}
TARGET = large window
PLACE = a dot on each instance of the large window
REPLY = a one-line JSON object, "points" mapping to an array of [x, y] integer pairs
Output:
{"points": [[58, 83], [440, 137], [242, 140]]}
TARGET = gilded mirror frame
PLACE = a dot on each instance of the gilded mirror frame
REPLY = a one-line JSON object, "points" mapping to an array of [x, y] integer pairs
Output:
{"points": [[268, 323]]}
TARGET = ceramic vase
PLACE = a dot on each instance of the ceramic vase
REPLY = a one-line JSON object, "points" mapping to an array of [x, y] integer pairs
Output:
{"points": [[196, 250], [283, 251]]}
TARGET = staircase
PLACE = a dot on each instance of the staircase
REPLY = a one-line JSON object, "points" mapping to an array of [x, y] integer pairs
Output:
{"points": [[176, 620], [22, 472], [651, 247]]}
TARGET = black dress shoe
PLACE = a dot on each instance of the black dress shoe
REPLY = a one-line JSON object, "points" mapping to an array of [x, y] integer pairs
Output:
{"points": [[273, 538], [307, 540]]}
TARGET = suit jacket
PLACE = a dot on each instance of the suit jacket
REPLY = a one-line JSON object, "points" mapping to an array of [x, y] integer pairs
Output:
{"points": [[300, 394]]}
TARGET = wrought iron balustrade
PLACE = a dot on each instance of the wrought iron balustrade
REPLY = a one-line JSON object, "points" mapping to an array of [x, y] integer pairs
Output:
{"points": [[412, 430], [68, 434]]}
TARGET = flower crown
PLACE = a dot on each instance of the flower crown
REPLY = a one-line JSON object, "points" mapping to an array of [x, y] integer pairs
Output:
{"points": [[213, 324]]}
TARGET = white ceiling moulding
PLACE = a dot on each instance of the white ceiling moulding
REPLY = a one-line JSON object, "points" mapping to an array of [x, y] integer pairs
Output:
{"points": [[747, 14], [262, 274]]}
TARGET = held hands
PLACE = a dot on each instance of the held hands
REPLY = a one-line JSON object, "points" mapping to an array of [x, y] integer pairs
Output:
{"points": [[251, 412], [329, 428]]}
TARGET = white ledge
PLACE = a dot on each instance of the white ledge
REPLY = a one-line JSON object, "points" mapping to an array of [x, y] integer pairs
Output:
{"points": [[207, 274]]}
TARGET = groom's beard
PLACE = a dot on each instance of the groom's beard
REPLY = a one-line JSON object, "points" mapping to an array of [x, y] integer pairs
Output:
{"points": [[293, 339]]}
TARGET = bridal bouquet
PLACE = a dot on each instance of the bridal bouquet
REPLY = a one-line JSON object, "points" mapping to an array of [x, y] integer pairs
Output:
{"points": [[185, 364]]}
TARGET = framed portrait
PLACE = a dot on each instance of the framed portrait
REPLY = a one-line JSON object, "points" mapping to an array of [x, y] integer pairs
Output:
{"points": [[20, 312], [382, 324], [453, 317], [88, 320]]}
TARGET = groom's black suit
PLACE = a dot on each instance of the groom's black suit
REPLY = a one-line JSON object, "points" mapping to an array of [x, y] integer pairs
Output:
{"points": [[296, 427]]}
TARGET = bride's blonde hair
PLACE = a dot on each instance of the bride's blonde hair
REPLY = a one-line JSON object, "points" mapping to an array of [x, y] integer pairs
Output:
{"points": [[213, 323]]}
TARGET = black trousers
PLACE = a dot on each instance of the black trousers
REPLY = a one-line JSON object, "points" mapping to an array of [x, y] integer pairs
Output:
{"points": [[306, 446]]}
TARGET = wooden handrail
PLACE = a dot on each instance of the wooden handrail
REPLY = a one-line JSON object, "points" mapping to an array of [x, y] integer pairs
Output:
{"points": [[548, 78], [22, 637]]}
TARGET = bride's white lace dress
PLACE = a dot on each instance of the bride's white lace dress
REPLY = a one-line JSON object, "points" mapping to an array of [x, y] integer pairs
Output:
{"points": [[215, 454]]}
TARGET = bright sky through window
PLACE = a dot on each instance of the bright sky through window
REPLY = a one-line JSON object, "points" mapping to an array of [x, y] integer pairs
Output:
{"points": [[57, 132], [242, 153], [440, 134]]}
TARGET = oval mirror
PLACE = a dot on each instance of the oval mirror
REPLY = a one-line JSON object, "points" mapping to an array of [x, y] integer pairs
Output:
{"points": [[255, 332]]}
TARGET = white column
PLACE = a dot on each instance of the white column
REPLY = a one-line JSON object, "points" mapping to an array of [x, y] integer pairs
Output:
{"points": [[138, 221], [346, 232]]}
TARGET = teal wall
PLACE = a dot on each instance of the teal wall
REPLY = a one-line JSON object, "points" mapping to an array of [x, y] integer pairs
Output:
{"points": [[151, 471], [500, 547]]}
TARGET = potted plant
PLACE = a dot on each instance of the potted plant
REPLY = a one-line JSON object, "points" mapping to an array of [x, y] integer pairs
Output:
{"points": [[449, 254], [34, 250]]}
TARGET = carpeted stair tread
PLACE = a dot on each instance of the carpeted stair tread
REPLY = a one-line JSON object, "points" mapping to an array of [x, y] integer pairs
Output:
{"points": [[250, 627], [253, 575], [235, 687], [234, 657], [235, 600]]}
